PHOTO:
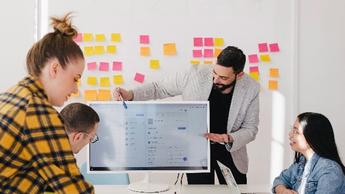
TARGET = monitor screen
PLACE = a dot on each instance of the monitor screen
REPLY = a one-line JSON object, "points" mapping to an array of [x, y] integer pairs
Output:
{"points": [[151, 135]]}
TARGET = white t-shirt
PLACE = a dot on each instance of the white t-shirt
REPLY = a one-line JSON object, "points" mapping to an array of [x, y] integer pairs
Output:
{"points": [[305, 176]]}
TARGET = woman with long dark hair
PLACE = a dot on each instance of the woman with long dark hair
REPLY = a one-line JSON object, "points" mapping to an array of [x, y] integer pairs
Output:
{"points": [[317, 167]]}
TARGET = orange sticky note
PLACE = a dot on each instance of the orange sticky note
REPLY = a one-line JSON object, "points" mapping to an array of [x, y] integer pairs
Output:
{"points": [[265, 58], [274, 72], [90, 95], [92, 81], [116, 37], [273, 84], [88, 50], [207, 62], [218, 42], [169, 49], [154, 64], [104, 95], [145, 51], [117, 79], [100, 37], [111, 49], [195, 62], [87, 37], [99, 50], [104, 82], [254, 75], [217, 51]]}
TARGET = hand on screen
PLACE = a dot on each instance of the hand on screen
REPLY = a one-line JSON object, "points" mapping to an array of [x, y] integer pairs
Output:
{"points": [[120, 93], [219, 138]]}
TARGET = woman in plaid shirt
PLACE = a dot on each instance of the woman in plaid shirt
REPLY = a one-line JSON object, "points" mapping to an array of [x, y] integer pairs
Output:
{"points": [[34, 149]]}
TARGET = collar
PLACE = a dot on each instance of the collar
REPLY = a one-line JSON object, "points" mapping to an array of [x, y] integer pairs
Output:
{"points": [[34, 85]]}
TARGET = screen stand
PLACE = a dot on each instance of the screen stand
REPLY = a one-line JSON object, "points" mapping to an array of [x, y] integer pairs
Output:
{"points": [[145, 186]]}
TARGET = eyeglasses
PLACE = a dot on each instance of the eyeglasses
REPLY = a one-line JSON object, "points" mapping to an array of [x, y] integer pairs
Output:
{"points": [[93, 139]]}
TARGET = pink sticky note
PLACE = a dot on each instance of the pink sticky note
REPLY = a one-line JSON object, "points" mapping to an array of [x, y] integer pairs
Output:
{"points": [[253, 58], [139, 77], [254, 69], [144, 39], [263, 47], [117, 66], [274, 47], [104, 66], [198, 41], [208, 52], [78, 38], [92, 66], [197, 53], [208, 41]]}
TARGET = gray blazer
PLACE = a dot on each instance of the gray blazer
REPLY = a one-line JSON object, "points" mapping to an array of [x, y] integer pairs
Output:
{"points": [[196, 85]]}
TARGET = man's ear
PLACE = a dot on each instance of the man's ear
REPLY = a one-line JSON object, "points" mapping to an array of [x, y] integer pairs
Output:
{"points": [[240, 75], [77, 136]]}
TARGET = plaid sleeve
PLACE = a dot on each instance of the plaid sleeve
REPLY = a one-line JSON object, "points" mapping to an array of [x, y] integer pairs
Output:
{"points": [[51, 151]]}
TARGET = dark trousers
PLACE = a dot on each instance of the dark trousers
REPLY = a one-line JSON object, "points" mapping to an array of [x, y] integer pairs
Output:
{"points": [[218, 152]]}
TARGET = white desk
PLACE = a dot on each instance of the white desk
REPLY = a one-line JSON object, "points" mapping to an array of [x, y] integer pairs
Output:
{"points": [[187, 189]]}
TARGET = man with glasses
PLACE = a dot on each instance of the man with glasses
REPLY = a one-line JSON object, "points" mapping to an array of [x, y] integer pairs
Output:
{"points": [[81, 122], [234, 109]]}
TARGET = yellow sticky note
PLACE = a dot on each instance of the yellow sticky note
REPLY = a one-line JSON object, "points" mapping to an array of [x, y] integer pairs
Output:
{"points": [[87, 37], [116, 37], [92, 81], [111, 49], [145, 51], [104, 82], [99, 50], [254, 75], [195, 62], [217, 51], [88, 50], [265, 58], [169, 49], [206, 62], [274, 72], [273, 84], [154, 64], [100, 37], [218, 42], [104, 95], [90, 95], [118, 80]]}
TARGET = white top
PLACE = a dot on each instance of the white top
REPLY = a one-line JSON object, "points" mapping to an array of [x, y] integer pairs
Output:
{"points": [[305, 176]]}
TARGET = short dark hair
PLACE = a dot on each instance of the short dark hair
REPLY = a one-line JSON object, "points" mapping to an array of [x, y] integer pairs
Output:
{"points": [[232, 57], [318, 132], [79, 117]]}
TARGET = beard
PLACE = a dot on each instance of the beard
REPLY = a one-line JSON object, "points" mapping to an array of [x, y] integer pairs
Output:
{"points": [[222, 87]]}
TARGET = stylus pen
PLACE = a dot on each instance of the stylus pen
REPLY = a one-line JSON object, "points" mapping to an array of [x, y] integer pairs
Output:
{"points": [[123, 102]]}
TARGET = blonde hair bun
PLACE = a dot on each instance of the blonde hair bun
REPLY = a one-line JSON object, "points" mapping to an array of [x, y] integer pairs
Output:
{"points": [[63, 25]]}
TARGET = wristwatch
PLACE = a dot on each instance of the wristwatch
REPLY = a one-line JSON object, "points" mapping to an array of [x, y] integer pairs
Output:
{"points": [[228, 146]]}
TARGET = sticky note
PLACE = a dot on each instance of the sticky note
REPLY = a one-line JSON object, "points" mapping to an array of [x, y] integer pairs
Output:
{"points": [[197, 53], [92, 81], [273, 85], [104, 66], [265, 58], [111, 49], [274, 72], [90, 95], [78, 38], [144, 39], [195, 62], [274, 47], [217, 51], [104, 81], [91, 66], [206, 62], [139, 77], [118, 79], [263, 47], [100, 37], [208, 41], [253, 58], [99, 50], [145, 51], [104, 95], [254, 69], [154, 64], [198, 42], [117, 66], [208, 52], [116, 37], [88, 50], [87, 37], [169, 49], [218, 42], [254, 75]]}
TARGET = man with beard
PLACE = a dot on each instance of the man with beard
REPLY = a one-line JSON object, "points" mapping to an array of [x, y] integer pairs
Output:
{"points": [[234, 109]]}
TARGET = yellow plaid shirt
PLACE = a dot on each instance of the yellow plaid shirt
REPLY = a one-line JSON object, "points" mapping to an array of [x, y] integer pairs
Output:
{"points": [[34, 149]]}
